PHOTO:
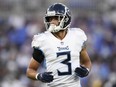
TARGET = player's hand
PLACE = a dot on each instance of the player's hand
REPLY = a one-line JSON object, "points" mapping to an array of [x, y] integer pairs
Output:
{"points": [[45, 77], [81, 71]]}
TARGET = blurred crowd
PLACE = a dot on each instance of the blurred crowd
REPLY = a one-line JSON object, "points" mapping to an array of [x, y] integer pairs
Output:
{"points": [[16, 34]]}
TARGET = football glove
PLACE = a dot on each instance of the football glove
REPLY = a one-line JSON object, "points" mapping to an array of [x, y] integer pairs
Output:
{"points": [[81, 71], [45, 77]]}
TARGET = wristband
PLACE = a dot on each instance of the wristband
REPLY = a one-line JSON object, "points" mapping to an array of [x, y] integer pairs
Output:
{"points": [[87, 69], [37, 76]]}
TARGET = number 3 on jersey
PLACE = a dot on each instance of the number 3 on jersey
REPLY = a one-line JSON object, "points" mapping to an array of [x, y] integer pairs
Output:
{"points": [[66, 62]]}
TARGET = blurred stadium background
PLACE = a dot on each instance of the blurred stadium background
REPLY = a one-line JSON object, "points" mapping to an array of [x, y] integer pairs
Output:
{"points": [[21, 19]]}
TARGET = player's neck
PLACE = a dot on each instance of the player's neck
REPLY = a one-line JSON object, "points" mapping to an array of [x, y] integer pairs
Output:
{"points": [[61, 34]]}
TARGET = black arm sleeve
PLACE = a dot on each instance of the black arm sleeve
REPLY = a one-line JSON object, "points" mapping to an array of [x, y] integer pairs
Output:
{"points": [[38, 55]]}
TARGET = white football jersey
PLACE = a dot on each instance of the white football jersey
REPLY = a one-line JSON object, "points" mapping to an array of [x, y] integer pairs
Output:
{"points": [[62, 56]]}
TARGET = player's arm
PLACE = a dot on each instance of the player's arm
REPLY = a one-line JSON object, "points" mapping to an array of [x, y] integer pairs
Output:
{"points": [[32, 69], [37, 58], [35, 62], [85, 62], [85, 59]]}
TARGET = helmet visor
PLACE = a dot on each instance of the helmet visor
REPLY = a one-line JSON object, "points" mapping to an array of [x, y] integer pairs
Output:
{"points": [[56, 17]]}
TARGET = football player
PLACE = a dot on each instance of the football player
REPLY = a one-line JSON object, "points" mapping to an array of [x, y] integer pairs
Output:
{"points": [[62, 48]]}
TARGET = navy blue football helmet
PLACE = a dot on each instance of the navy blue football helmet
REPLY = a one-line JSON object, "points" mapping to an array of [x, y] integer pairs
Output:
{"points": [[63, 14]]}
